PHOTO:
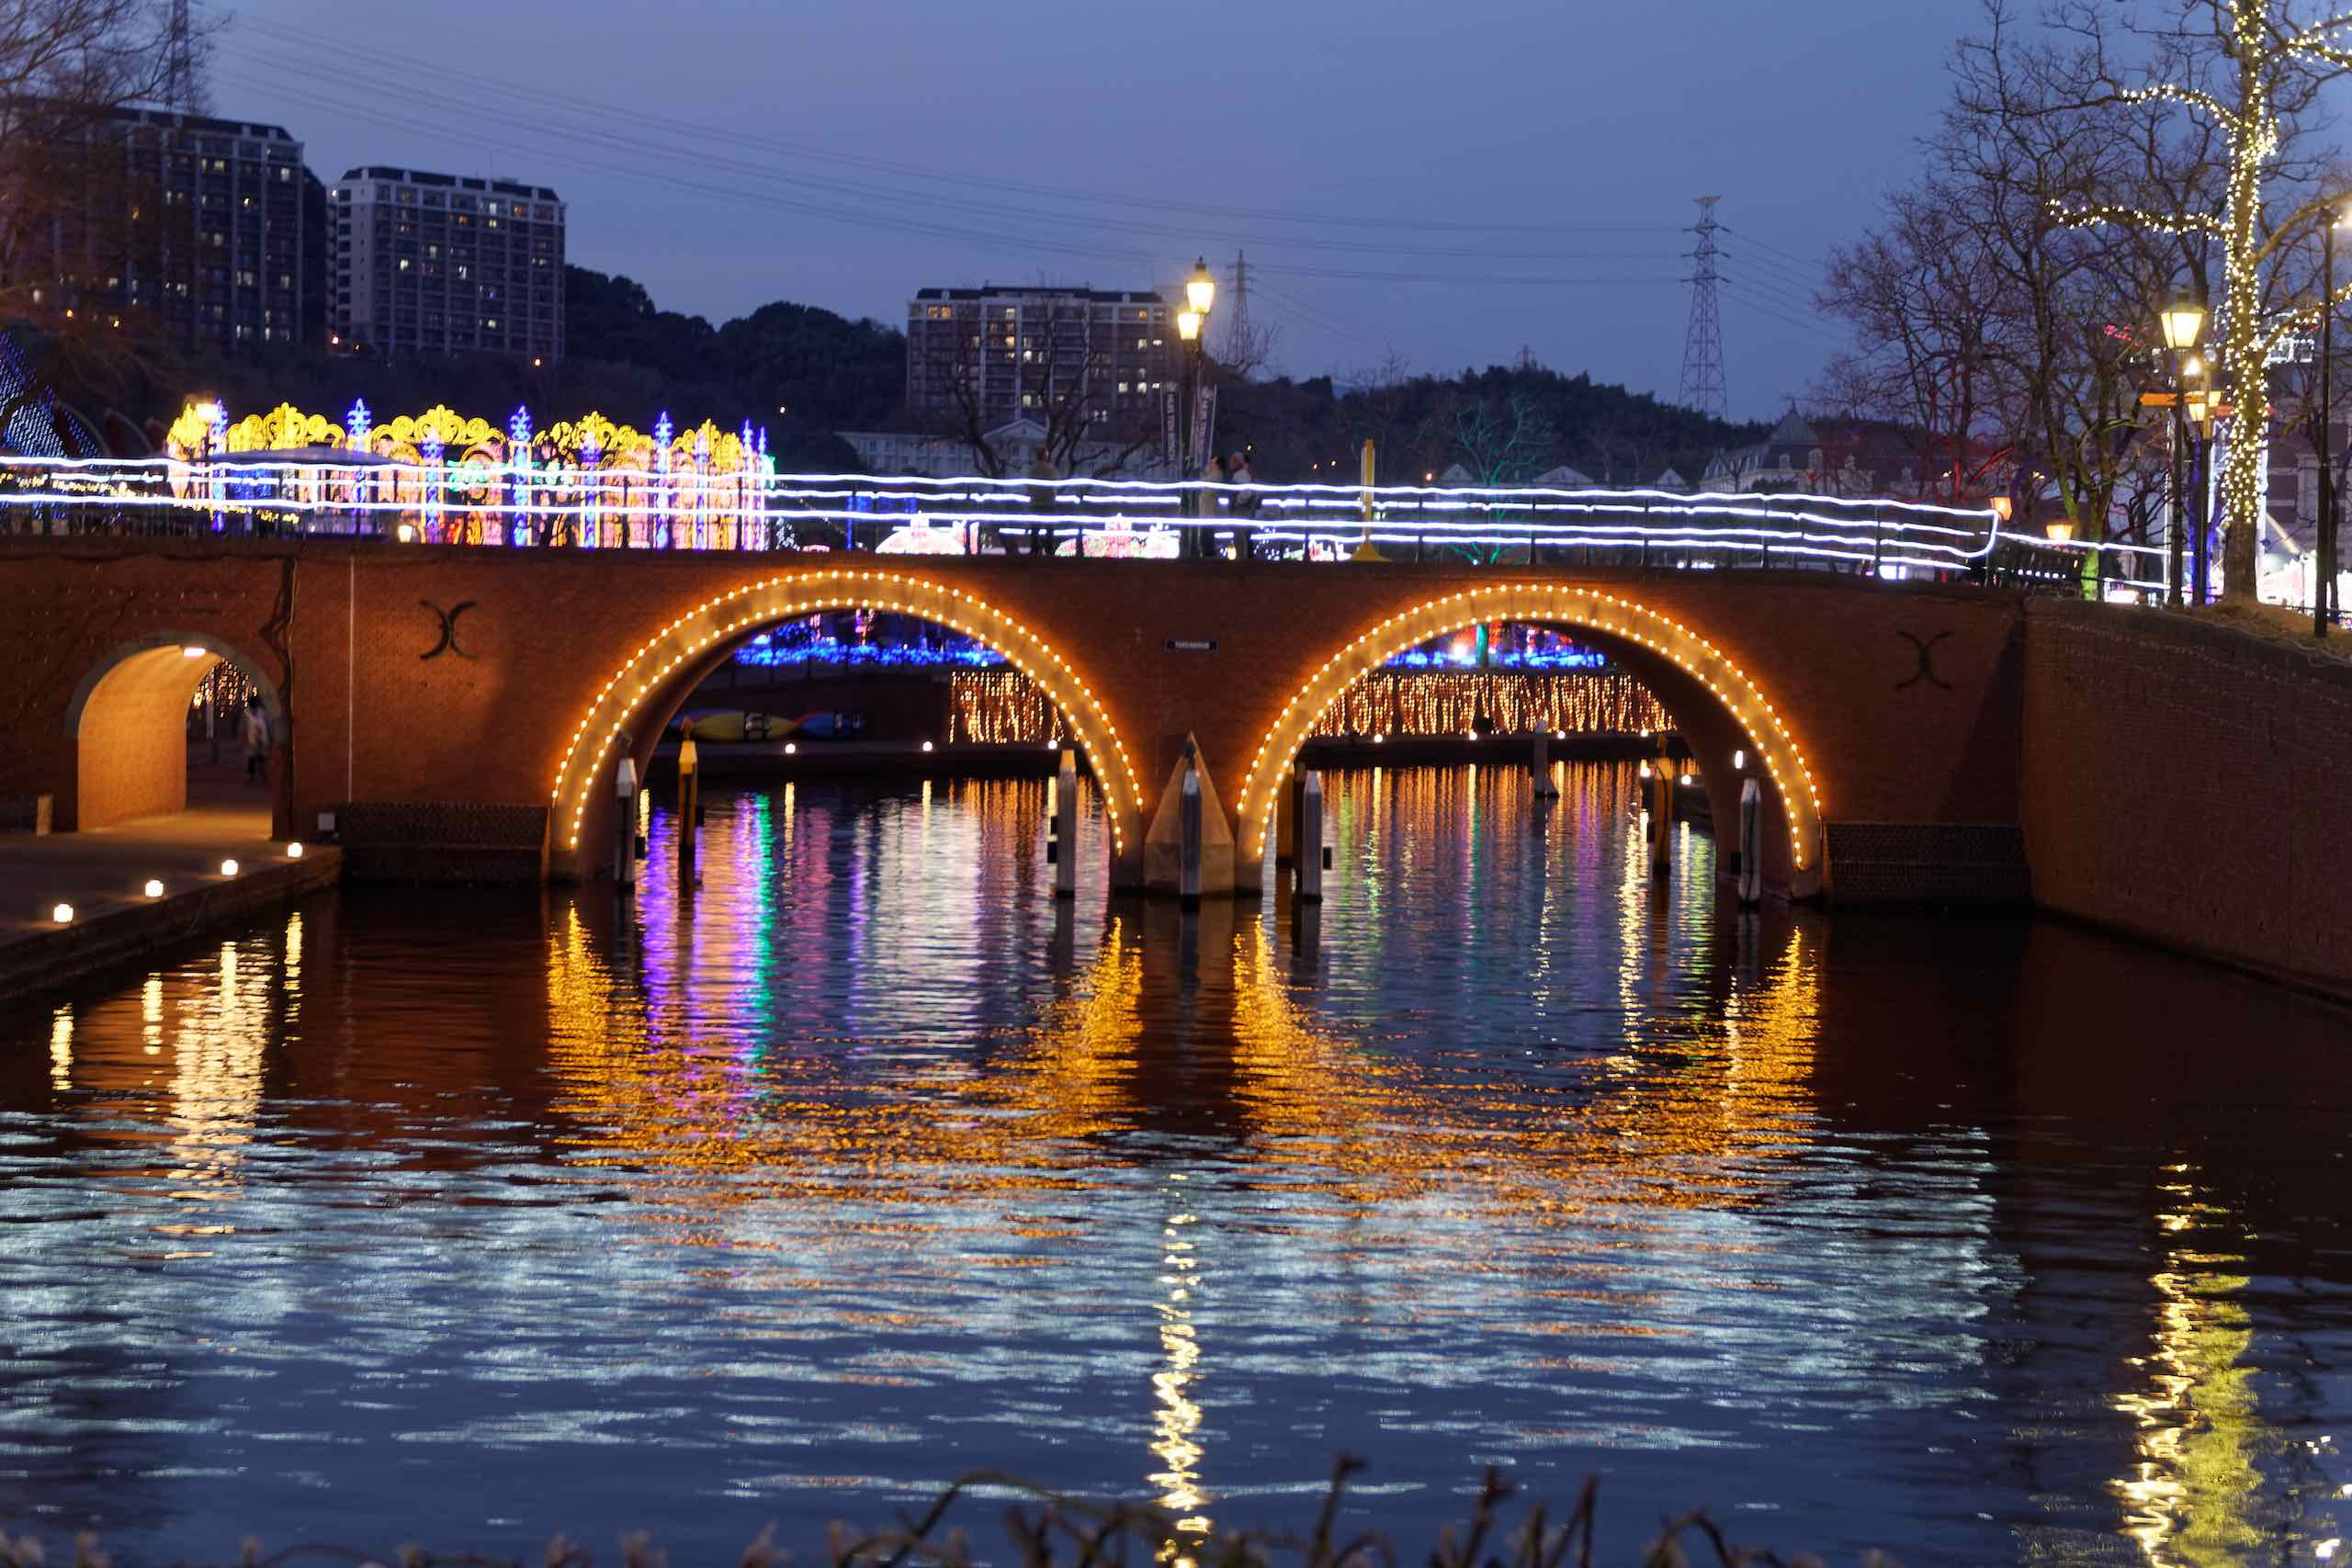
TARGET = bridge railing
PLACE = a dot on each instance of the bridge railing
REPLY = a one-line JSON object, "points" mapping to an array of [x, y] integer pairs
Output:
{"points": [[569, 508]]}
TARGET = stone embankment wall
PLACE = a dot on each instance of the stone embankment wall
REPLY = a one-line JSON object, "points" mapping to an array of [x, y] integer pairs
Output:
{"points": [[2191, 785]]}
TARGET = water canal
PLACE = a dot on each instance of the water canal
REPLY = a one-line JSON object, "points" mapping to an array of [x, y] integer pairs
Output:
{"points": [[469, 1219]]}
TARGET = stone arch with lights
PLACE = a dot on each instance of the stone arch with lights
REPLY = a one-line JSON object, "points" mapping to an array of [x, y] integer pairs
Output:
{"points": [[1706, 690], [657, 673]]}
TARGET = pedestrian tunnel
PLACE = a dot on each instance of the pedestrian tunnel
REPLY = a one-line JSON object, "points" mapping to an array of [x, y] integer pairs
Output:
{"points": [[132, 718]]}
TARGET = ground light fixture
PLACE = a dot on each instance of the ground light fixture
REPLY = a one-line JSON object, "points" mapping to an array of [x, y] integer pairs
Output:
{"points": [[154, 888], [1380, 740], [228, 868], [294, 849], [1740, 761], [63, 914], [792, 748], [926, 745]]}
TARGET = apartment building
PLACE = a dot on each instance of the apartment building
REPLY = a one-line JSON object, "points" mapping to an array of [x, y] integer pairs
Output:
{"points": [[447, 264]]}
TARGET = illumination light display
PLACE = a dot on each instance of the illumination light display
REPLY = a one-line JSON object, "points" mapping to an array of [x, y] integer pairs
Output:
{"points": [[2259, 51], [455, 479], [1000, 708], [1449, 702]]}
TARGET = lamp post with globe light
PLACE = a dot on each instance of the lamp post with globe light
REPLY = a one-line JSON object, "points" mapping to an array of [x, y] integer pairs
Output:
{"points": [[2183, 321], [1191, 326]]}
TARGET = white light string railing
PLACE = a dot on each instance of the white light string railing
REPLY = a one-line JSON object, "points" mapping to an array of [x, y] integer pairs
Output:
{"points": [[759, 510]]}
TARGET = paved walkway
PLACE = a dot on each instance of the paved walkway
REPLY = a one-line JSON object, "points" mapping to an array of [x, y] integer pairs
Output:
{"points": [[103, 876], [226, 818]]}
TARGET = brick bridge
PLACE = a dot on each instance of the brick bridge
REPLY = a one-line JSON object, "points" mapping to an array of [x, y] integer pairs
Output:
{"points": [[430, 677]]}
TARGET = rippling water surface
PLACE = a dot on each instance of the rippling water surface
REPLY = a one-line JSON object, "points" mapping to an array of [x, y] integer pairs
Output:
{"points": [[468, 1218]]}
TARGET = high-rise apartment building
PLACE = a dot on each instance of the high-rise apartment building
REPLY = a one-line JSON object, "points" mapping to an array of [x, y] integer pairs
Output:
{"points": [[443, 263], [1010, 353], [190, 227]]}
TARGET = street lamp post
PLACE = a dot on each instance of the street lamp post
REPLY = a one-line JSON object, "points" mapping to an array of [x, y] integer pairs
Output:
{"points": [[2324, 578], [2183, 320], [1192, 325], [2204, 407]]}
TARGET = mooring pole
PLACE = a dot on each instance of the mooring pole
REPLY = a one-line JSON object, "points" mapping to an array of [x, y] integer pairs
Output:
{"points": [[1311, 854], [1751, 843], [1066, 827], [1661, 818], [1286, 818], [1544, 787], [625, 823], [689, 761], [1188, 876]]}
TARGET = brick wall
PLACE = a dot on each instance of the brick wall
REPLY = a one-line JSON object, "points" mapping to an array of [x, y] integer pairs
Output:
{"points": [[2186, 782]]}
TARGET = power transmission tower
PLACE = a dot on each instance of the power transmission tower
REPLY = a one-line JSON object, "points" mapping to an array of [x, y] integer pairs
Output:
{"points": [[1702, 346], [1237, 318], [179, 63]]}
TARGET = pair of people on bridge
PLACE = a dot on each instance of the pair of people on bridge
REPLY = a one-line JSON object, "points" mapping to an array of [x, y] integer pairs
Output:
{"points": [[1226, 472]]}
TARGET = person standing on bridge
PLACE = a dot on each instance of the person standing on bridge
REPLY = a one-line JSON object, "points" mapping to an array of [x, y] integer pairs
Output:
{"points": [[1041, 500], [1200, 540], [1245, 505], [256, 741]]}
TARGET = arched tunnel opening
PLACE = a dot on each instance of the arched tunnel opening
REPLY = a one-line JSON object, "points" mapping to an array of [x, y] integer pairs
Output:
{"points": [[172, 727]]}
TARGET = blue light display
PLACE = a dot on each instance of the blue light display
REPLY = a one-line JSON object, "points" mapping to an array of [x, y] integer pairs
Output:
{"points": [[1532, 650], [766, 651]]}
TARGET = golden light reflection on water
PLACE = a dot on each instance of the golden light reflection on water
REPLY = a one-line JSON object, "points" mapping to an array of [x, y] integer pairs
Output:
{"points": [[1176, 1422], [178, 1064], [707, 1118], [2200, 1438], [867, 1148]]}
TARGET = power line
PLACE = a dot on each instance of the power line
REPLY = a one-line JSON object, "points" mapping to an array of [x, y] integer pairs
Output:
{"points": [[1805, 264], [563, 148], [1759, 304], [462, 110], [1765, 283], [333, 58]]}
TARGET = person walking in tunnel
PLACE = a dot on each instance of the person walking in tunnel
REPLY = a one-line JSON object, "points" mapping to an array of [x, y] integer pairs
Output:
{"points": [[256, 741]]}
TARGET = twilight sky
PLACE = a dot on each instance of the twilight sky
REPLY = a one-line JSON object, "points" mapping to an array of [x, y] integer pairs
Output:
{"points": [[1452, 180]]}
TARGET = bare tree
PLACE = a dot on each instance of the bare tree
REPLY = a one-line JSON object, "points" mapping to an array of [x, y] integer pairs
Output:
{"points": [[70, 206], [1930, 316]]}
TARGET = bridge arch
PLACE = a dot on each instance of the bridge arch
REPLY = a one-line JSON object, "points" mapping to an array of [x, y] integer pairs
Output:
{"points": [[651, 675], [126, 723], [1657, 647]]}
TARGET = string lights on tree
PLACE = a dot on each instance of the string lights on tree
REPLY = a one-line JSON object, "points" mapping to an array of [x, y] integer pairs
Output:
{"points": [[2264, 50]]}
